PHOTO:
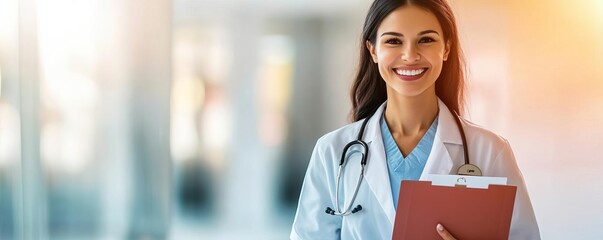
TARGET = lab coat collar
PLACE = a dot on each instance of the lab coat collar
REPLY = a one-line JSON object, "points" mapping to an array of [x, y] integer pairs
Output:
{"points": [[447, 140], [447, 129], [439, 161], [377, 175]]}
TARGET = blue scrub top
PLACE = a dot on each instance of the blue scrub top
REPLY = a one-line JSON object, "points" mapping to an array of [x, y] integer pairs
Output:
{"points": [[411, 167]]}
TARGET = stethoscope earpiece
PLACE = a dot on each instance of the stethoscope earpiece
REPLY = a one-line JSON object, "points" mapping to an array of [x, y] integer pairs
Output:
{"points": [[357, 209], [330, 211]]}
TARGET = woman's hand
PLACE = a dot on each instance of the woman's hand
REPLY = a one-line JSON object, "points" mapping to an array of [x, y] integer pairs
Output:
{"points": [[444, 233]]}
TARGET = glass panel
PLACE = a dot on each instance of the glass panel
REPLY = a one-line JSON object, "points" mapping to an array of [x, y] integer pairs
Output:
{"points": [[104, 133], [10, 137], [68, 99]]}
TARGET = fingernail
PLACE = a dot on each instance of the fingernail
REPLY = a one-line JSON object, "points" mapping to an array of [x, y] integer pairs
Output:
{"points": [[440, 227]]}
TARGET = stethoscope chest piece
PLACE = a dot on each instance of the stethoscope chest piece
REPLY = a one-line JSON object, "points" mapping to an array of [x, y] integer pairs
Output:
{"points": [[469, 169]]}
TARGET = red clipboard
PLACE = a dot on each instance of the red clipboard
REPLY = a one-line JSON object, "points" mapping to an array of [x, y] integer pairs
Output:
{"points": [[467, 213]]}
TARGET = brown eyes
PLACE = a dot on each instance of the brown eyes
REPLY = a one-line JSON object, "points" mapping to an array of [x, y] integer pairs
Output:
{"points": [[426, 40], [395, 41]]}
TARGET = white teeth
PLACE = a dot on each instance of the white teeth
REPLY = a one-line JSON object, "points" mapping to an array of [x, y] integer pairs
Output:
{"points": [[410, 72]]}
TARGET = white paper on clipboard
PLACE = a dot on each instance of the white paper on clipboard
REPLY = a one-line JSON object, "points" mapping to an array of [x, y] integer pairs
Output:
{"points": [[468, 181]]}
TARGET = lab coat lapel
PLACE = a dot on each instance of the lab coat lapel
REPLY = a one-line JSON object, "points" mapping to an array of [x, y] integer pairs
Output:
{"points": [[446, 141], [377, 175], [439, 161]]}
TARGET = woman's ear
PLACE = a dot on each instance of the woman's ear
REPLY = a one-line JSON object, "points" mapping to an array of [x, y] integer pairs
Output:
{"points": [[371, 49], [446, 50]]}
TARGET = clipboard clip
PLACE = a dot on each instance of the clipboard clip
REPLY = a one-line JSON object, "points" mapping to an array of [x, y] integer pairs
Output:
{"points": [[461, 182]]}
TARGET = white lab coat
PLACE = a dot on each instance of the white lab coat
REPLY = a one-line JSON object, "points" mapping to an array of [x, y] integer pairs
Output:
{"points": [[490, 152]]}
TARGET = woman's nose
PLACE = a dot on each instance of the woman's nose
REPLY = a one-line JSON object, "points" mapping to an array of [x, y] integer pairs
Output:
{"points": [[410, 53]]}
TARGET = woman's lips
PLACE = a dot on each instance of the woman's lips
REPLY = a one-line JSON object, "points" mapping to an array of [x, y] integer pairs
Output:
{"points": [[410, 74]]}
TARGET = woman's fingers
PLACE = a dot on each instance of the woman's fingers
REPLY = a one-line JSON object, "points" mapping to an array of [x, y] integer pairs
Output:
{"points": [[444, 233]]}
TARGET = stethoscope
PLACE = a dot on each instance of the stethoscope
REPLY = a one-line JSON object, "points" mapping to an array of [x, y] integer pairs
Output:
{"points": [[465, 169]]}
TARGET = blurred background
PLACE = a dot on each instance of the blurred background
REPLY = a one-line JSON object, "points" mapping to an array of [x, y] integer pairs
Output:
{"points": [[195, 119]]}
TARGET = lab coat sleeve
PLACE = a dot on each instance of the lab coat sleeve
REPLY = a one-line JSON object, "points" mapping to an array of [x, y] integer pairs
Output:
{"points": [[523, 223], [311, 221]]}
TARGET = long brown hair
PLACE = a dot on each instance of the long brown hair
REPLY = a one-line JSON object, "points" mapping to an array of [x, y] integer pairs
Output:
{"points": [[369, 91]]}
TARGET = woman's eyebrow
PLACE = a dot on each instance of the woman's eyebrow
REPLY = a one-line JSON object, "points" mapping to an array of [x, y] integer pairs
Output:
{"points": [[397, 34]]}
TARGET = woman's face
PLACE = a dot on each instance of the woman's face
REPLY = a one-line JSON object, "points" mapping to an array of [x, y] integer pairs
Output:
{"points": [[409, 50]]}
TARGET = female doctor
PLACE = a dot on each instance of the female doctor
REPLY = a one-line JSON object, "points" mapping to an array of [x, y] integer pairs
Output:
{"points": [[409, 89]]}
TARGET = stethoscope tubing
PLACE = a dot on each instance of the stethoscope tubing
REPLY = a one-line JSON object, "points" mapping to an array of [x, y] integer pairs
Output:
{"points": [[348, 209], [466, 169]]}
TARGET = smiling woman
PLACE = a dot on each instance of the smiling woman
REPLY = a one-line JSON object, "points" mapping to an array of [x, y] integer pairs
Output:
{"points": [[407, 99]]}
